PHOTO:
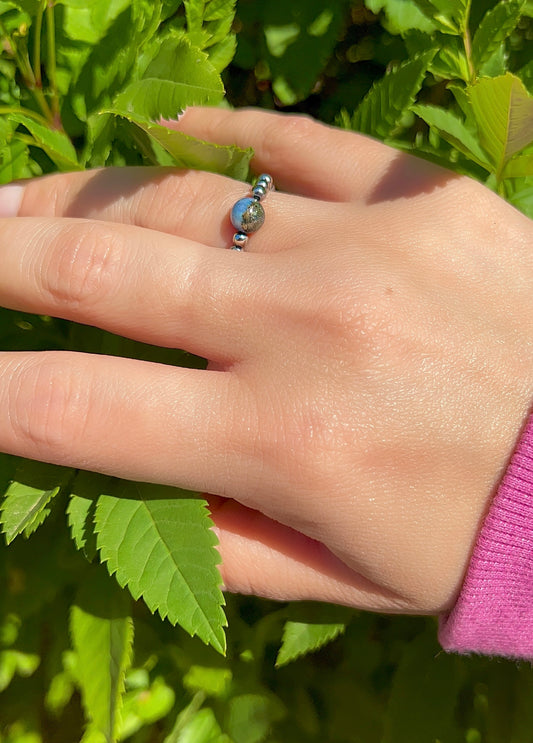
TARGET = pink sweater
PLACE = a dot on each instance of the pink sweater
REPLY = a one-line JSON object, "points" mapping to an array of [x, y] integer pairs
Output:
{"points": [[494, 612]]}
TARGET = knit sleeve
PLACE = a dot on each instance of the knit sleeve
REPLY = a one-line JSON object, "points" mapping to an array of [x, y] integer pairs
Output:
{"points": [[494, 612]]}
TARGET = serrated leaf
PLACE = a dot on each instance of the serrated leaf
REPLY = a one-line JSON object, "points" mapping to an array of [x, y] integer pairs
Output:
{"points": [[503, 110], [381, 110], [310, 628], [81, 508], [25, 504], [496, 25], [158, 542], [179, 76], [453, 130], [102, 635], [55, 143], [189, 152]]}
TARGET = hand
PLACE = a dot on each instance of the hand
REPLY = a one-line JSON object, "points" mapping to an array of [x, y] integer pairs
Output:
{"points": [[371, 353]]}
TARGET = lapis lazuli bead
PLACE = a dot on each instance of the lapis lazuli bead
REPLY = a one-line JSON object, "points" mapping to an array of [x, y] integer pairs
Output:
{"points": [[247, 215]]}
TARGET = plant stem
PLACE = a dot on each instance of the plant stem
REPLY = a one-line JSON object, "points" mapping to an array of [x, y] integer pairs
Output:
{"points": [[6, 110], [467, 41], [37, 46], [51, 63], [24, 65]]}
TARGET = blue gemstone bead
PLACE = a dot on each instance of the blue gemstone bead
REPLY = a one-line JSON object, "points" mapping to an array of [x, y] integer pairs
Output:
{"points": [[247, 215]]}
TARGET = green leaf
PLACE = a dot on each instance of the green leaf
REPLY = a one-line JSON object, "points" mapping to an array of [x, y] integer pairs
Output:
{"points": [[449, 15], [200, 727], [450, 61], [497, 24], [158, 541], [102, 636], [189, 152], [221, 54], [81, 508], [250, 716], [55, 143], [519, 167], [503, 110], [179, 76], [14, 162], [453, 130], [526, 75], [381, 111], [299, 39], [402, 15], [145, 706], [520, 193], [25, 504], [424, 695], [315, 627], [15, 662]]}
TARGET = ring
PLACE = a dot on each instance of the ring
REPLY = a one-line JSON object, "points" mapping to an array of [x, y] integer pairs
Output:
{"points": [[247, 215]]}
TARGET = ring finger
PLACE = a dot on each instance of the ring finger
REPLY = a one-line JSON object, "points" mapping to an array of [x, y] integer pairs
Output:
{"points": [[191, 204]]}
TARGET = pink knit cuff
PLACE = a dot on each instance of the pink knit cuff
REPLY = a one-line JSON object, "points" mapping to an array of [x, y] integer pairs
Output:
{"points": [[494, 612]]}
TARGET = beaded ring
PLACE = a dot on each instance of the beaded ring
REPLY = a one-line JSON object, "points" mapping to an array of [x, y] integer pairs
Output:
{"points": [[248, 215]]}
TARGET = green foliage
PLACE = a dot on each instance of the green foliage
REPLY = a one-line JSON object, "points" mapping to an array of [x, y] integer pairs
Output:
{"points": [[102, 638], [158, 542], [96, 572]]}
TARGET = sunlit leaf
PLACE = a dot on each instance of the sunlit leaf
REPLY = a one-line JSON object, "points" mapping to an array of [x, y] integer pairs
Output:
{"points": [[504, 114], [310, 629], [453, 130], [159, 543], [179, 76], [26, 503]]}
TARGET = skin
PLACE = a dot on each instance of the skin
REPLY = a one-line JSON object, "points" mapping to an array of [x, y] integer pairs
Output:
{"points": [[370, 354]]}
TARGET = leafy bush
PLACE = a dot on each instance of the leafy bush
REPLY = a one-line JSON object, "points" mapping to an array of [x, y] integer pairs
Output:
{"points": [[82, 651]]}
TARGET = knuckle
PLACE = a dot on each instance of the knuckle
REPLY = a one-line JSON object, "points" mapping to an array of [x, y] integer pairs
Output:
{"points": [[83, 266], [279, 142], [48, 405]]}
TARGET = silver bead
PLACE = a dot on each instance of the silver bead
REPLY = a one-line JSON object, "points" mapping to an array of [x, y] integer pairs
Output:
{"points": [[265, 180], [239, 240], [259, 192]]}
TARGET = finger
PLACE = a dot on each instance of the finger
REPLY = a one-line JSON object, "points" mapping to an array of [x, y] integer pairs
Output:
{"points": [[304, 156], [137, 283], [123, 417], [188, 203], [265, 558]]}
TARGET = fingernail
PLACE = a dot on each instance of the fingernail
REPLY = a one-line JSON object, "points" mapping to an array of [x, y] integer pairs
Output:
{"points": [[10, 199]]}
